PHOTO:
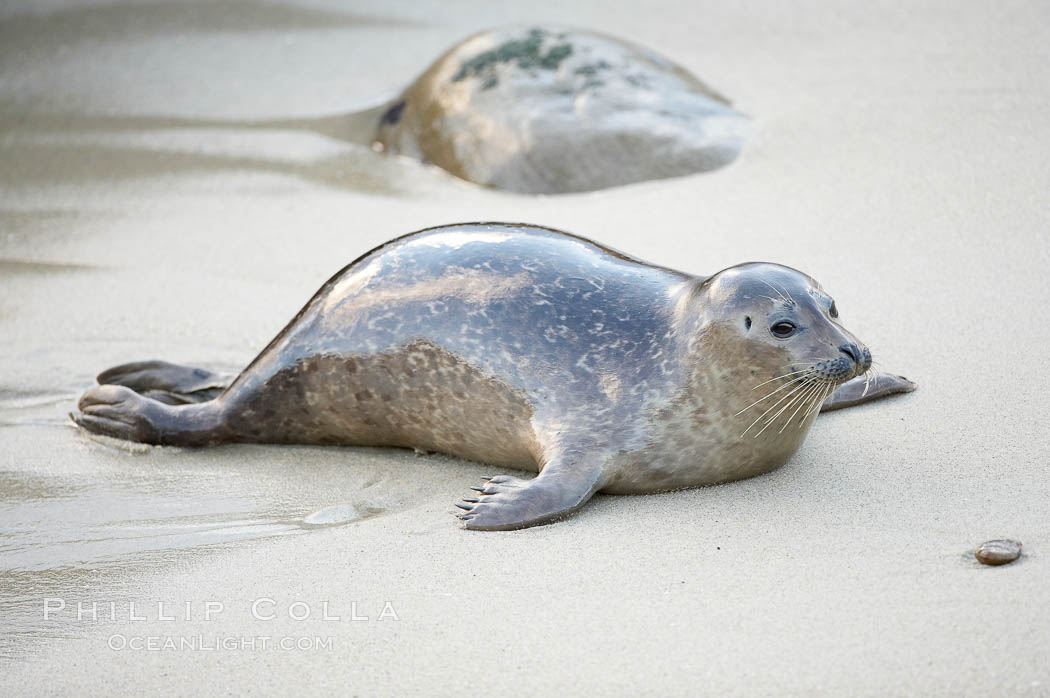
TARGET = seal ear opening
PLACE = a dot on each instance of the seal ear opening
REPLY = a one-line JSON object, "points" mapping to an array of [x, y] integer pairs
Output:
{"points": [[392, 115], [747, 322]]}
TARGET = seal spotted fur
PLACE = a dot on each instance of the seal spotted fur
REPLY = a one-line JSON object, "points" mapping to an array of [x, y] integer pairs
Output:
{"points": [[528, 348]]}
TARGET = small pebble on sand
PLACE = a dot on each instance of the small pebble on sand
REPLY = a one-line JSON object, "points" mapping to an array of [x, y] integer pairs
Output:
{"points": [[998, 552]]}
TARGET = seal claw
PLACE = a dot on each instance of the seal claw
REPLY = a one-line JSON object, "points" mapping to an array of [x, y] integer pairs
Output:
{"points": [[465, 507]]}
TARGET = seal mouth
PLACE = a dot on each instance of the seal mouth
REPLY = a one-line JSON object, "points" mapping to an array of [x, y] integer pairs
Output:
{"points": [[852, 362], [801, 392]]}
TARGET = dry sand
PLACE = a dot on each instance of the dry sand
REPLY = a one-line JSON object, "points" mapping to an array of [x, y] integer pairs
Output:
{"points": [[172, 186]]}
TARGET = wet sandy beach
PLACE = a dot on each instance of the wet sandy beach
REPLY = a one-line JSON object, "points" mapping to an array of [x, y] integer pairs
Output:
{"points": [[176, 180]]}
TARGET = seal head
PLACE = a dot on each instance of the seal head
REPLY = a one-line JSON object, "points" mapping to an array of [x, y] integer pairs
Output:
{"points": [[781, 308], [761, 348], [786, 331]]}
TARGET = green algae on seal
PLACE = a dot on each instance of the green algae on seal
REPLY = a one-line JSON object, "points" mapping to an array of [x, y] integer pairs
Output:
{"points": [[548, 111], [532, 349]]}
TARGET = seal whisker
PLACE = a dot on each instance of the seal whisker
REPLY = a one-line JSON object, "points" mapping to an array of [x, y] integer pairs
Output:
{"points": [[805, 403], [819, 402], [790, 298], [871, 380], [773, 407], [830, 389], [790, 383], [781, 411], [802, 399], [809, 409], [815, 408], [824, 396], [770, 409], [800, 395], [807, 368], [809, 400], [793, 381], [775, 289]]}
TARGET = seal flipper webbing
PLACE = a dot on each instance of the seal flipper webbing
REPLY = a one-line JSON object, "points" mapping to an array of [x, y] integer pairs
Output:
{"points": [[864, 389], [505, 503], [166, 382]]}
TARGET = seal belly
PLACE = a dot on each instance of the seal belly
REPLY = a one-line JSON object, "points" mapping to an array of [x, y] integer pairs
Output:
{"points": [[418, 395]]}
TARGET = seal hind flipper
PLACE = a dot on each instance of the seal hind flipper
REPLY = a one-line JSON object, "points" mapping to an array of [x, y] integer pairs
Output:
{"points": [[864, 389], [120, 412], [506, 503], [166, 382], [173, 398]]}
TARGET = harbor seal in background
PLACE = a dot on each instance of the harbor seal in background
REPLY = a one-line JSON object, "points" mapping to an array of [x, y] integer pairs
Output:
{"points": [[549, 111], [527, 348]]}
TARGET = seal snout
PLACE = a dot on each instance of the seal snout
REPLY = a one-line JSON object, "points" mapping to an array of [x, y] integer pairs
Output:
{"points": [[852, 361], [861, 357], [851, 350]]}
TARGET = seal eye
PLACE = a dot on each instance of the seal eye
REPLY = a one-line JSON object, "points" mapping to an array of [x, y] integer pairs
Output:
{"points": [[833, 311], [783, 329]]}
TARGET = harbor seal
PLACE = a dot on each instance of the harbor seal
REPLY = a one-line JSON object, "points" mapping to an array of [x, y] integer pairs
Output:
{"points": [[547, 111], [527, 348]]}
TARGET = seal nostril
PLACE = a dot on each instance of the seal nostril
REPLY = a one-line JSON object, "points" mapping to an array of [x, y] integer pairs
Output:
{"points": [[852, 351]]}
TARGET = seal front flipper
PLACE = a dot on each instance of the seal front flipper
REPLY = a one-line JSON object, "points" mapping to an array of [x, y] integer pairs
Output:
{"points": [[505, 503], [166, 382], [865, 389]]}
